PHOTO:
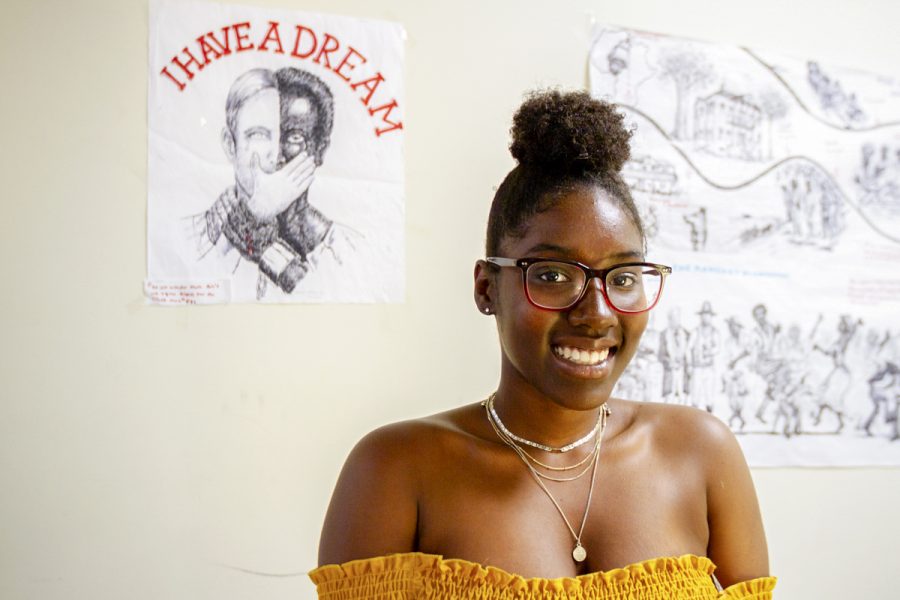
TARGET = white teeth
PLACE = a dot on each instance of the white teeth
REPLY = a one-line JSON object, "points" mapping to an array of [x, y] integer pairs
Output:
{"points": [[582, 357]]}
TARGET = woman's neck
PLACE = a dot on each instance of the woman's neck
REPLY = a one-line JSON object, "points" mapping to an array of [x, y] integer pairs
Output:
{"points": [[538, 417]]}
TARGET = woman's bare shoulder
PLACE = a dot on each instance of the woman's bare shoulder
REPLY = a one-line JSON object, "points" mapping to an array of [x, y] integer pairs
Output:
{"points": [[700, 443], [374, 507], [415, 441], [682, 429]]}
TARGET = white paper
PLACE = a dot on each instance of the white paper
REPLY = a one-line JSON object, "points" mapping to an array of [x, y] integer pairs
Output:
{"points": [[231, 198], [772, 186]]}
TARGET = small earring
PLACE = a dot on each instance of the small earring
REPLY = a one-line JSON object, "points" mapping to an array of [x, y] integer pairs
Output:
{"points": [[486, 310]]}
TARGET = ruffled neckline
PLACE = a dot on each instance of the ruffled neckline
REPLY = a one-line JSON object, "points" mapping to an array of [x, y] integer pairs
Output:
{"points": [[418, 564]]}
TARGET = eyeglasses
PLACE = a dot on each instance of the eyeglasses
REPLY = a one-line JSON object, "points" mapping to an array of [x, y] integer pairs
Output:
{"points": [[556, 284]]}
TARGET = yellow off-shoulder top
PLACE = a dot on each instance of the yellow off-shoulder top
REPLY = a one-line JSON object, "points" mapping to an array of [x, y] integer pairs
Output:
{"points": [[429, 576]]}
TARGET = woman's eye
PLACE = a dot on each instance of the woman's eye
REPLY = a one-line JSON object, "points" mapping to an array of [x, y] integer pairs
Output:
{"points": [[551, 276], [623, 280]]}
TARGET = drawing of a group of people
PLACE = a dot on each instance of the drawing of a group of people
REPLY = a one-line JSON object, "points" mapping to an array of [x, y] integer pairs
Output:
{"points": [[762, 377], [813, 207], [879, 177], [832, 97]]}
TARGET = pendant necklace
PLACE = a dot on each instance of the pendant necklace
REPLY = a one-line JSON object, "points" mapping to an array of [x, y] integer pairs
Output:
{"points": [[579, 554]]}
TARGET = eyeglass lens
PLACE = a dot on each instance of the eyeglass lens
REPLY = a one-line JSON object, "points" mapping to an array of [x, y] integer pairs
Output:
{"points": [[558, 285]]}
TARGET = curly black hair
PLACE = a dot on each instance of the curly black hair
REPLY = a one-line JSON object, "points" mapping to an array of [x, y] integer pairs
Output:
{"points": [[562, 141]]}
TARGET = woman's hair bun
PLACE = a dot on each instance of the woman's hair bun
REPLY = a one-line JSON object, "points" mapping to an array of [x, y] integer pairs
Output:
{"points": [[569, 134]]}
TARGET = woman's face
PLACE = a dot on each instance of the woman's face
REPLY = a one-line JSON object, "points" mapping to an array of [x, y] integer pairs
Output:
{"points": [[590, 226]]}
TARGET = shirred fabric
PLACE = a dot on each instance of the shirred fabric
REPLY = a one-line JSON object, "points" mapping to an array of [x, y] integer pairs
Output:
{"points": [[415, 575]]}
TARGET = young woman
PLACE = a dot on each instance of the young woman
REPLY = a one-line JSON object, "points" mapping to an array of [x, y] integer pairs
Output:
{"points": [[551, 488]]}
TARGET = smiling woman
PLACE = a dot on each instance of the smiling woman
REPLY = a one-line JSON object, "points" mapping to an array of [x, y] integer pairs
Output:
{"points": [[552, 488]]}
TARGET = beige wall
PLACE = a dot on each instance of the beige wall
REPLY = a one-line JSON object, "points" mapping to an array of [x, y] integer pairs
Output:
{"points": [[145, 451]]}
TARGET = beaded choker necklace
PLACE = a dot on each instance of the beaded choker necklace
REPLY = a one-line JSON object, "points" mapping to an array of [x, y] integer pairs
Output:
{"points": [[489, 404]]}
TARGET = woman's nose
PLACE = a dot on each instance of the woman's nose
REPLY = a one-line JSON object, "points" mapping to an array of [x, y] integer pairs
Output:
{"points": [[593, 309]]}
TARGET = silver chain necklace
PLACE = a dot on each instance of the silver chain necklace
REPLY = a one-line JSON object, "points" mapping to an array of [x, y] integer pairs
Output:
{"points": [[578, 553], [528, 458], [489, 403]]}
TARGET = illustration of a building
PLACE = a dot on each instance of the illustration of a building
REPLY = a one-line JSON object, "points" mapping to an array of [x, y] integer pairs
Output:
{"points": [[650, 175], [729, 125]]}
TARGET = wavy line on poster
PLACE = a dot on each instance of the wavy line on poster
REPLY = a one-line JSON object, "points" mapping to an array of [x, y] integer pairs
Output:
{"points": [[729, 188], [806, 109]]}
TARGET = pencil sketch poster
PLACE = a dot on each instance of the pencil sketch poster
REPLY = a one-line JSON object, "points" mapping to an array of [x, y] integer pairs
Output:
{"points": [[772, 186], [275, 156]]}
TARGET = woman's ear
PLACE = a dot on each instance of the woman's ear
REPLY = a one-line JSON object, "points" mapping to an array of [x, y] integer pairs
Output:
{"points": [[484, 288]]}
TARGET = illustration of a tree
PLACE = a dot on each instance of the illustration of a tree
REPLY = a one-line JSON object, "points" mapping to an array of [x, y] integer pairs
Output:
{"points": [[687, 69], [774, 107]]}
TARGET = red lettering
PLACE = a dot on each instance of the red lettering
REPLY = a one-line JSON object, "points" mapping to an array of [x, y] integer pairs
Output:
{"points": [[296, 53], [226, 48], [370, 84], [346, 63], [191, 60], [387, 108], [207, 50], [271, 34], [165, 72], [213, 46], [242, 37], [327, 49]]}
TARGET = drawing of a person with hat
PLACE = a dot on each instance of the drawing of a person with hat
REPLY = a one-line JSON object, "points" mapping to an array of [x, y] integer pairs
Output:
{"points": [[704, 348]]}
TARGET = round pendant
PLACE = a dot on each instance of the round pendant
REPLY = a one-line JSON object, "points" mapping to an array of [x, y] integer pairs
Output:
{"points": [[579, 553]]}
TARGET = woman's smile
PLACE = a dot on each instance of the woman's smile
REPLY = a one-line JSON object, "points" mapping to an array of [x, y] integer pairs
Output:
{"points": [[585, 354], [583, 364], [582, 356]]}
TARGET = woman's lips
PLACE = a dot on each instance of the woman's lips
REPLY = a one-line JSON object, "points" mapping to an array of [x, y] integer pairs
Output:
{"points": [[583, 356]]}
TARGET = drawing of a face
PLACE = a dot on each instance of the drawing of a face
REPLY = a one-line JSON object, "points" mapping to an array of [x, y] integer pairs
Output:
{"points": [[307, 114], [256, 134], [674, 318], [759, 314], [298, 120]]}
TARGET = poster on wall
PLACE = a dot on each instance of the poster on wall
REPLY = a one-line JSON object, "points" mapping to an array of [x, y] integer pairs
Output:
{"points": [[772, 186], [275, 167]]}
